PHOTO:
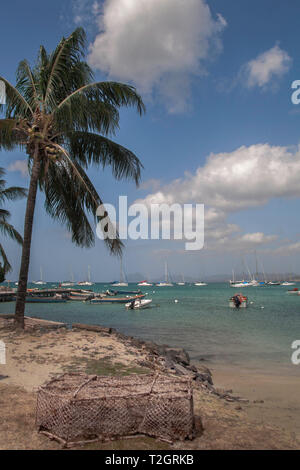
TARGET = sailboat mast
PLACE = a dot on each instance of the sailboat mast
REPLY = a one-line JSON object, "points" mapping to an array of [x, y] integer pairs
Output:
{"points": [[121, 270]]}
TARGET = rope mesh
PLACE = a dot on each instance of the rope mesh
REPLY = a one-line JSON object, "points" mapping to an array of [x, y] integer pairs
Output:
{"points": [[77, 407]]}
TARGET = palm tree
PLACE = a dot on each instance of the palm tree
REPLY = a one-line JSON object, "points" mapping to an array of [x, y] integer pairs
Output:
{"points": [[62, 117], [8, 194]]}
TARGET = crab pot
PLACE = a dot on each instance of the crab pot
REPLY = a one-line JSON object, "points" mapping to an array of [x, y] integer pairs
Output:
{"points": [[81, 408]]}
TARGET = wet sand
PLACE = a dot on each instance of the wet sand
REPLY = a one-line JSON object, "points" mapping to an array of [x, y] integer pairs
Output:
{"points": [[273, 395]]}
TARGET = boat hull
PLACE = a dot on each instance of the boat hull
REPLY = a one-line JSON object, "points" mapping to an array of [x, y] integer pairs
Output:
{"points": [[113, 300]]}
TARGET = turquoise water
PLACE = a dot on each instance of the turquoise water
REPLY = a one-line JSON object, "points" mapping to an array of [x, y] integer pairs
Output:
{"points": [[201, 322]]}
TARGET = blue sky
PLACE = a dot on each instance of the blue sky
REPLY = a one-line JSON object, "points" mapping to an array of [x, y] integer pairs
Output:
{"points": [[216, 79]]}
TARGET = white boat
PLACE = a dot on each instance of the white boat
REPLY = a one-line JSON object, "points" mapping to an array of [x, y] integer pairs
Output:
{"points": [[200, 284], [182, 283], [287, 283], [144, 283], [122, 282], [138, 304], [241, 284], [67, 284], [294, 291], [165, 283], [88, 282]]}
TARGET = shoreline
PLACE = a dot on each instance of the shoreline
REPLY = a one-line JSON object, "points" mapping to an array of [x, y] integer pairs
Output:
{"points": [[41, 352]]}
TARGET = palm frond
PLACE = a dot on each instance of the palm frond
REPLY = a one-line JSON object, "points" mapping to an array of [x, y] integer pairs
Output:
{"points": [[16, 104], [9, 231], [13, 193], [114, 93], [65, 57], [10, 137], [88, 148], [69, 195], [27, 85], [6, 265], [83, 114]]}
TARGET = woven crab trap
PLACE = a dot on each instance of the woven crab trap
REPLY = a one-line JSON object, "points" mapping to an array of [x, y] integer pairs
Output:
{"points": [[77, 408]]}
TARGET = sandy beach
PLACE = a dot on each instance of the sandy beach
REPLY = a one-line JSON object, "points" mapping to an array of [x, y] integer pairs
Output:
{"points": [[39, 353]]}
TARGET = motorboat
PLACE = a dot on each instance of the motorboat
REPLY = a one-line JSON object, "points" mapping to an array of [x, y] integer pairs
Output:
{"points": [[238, 301], [200, 284], [138, 304], [294, 291]]}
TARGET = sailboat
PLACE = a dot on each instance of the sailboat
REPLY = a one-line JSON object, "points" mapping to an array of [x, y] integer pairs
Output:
{"points": [[144, 283], [122, 282], [166, 283], [40, 282], [68, 283], [182, 283], [88, 282], [200, 284]]}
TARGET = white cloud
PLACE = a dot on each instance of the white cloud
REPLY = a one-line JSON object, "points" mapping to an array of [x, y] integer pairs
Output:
{"points": [[230, 182], [85, 11], [266, 68], [21, 166], [288, 249], [157, 45], [246, 177]]}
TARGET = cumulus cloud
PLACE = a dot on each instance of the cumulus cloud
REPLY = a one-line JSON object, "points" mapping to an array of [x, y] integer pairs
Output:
{"points": [[266, 68], [21, 166], [157, 45], [247, 177], [230, 182]]}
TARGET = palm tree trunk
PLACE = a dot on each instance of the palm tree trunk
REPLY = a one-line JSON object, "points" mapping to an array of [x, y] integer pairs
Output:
{"points": [[30, 207]]}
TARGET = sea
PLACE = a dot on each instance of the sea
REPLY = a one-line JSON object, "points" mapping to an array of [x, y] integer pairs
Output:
{"points": [[198, 319]]}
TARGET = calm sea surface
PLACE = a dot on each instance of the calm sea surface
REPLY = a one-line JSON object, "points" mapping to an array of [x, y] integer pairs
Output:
{"points": [[258, 337]]}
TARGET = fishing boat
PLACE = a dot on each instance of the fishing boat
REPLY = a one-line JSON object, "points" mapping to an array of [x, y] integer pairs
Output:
{"points": [[45, 300], [122, 282], [123, 292], [166, 283], [138, 304], [115, 300], [238, 301]]}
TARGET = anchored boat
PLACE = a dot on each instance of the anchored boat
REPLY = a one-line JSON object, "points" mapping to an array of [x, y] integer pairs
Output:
{"points": [[238, 301], [115, 300], [138, 304]]}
